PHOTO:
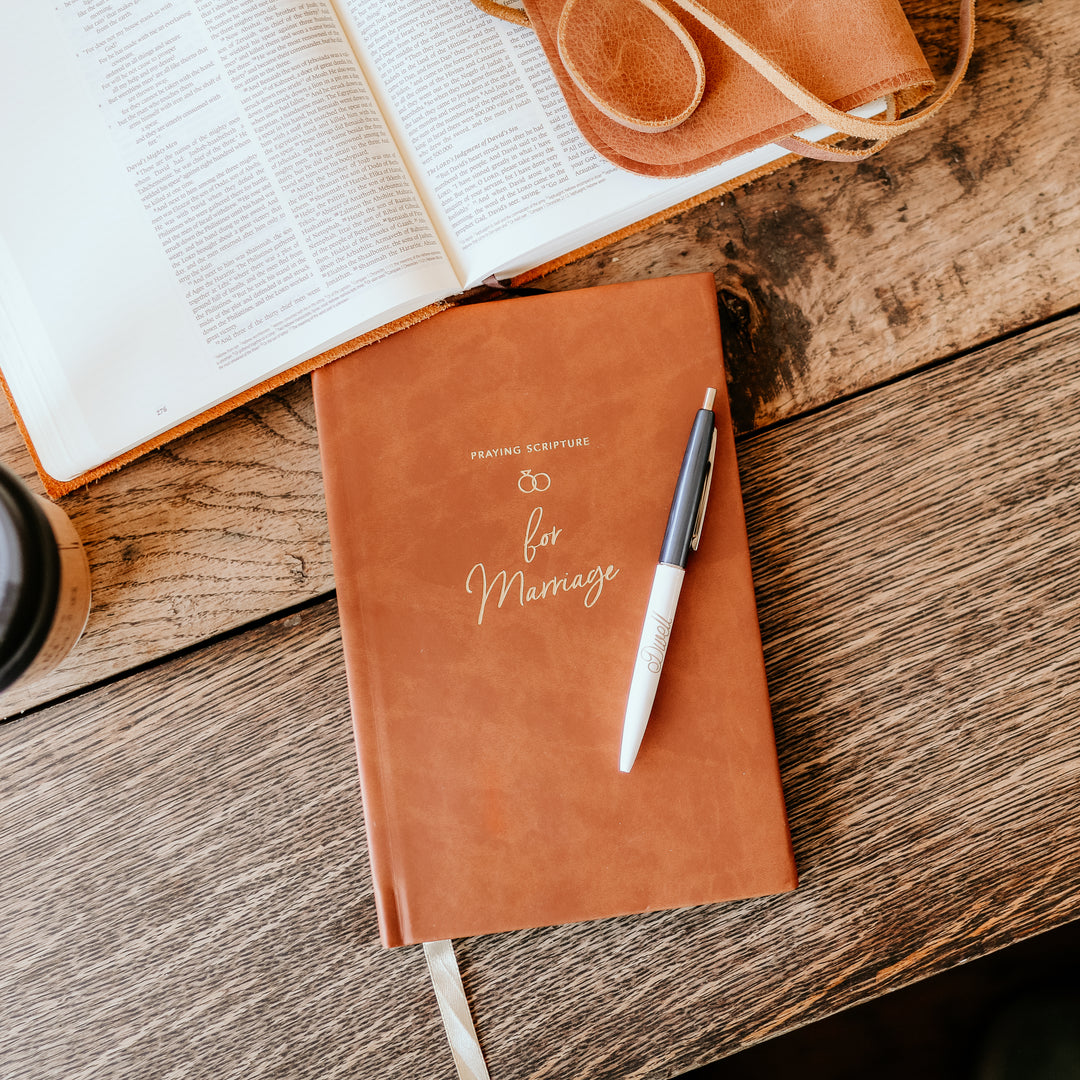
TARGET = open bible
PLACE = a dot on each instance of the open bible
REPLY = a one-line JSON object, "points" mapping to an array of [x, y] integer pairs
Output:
{"points": [[203, 197]]}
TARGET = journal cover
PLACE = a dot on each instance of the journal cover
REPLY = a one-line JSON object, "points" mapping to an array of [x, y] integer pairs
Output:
{"points": [[498, 480]]}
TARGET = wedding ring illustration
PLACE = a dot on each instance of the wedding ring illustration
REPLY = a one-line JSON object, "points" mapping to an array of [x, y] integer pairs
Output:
{"points": [[528, 482]]}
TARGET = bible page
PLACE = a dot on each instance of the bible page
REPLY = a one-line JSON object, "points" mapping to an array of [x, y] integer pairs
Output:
{"points": [[479, 117], [205, 195]]}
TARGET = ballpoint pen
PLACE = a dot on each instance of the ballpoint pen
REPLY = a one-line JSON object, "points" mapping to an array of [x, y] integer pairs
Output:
{"points": [[680, 538]]}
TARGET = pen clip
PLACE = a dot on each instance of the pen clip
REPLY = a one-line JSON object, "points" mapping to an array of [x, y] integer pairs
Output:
{"points": [[700, 519]]}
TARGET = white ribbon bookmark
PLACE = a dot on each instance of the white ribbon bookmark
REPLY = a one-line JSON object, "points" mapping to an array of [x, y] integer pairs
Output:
{"points": [[454, 1007]]}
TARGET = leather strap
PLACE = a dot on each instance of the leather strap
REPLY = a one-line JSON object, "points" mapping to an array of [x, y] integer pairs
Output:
{"points": [[609, 108], [798, 145], [863, 128], [879, 130]]}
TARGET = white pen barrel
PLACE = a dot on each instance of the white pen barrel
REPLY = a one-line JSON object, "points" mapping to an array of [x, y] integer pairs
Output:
{"points": [[652, 651]]}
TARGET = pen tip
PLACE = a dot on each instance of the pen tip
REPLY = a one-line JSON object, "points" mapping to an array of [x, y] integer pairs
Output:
{"points": [[710, 397]]}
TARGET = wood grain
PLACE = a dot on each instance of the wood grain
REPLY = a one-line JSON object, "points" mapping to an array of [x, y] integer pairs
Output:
{"points": [[830, 279], [186, 890], [220, 528]]}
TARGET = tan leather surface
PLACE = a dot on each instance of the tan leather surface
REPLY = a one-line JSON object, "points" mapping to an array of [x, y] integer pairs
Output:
{"points": [[846, 53], [649, 75], [489, 747]]}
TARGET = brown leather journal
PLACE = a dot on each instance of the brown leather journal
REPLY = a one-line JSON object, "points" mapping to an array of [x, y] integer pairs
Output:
{"points": [[498, 481]]}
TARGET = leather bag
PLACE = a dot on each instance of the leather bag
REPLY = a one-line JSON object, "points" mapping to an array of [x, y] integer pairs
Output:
{"points": [[670, 87]]}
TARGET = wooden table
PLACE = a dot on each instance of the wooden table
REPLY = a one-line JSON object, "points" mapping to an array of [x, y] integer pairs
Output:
{"points": [[185, 885]]}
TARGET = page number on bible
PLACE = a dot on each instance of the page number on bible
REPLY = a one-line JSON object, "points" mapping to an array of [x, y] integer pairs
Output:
{"points": [[162, 410]]}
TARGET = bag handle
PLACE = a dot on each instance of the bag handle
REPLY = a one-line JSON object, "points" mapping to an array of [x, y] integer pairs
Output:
{"points": [[881, 131], [609, 108]]}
